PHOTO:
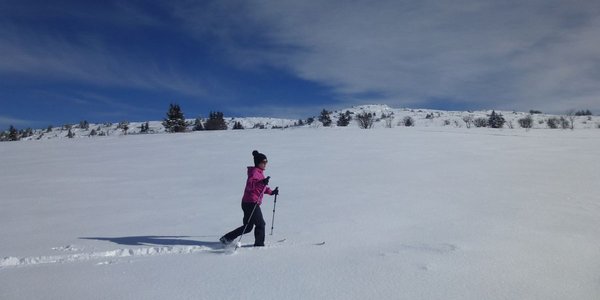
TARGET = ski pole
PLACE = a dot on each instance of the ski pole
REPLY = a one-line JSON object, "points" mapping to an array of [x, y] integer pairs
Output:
{"points": [[237, 245], [274, 204]]}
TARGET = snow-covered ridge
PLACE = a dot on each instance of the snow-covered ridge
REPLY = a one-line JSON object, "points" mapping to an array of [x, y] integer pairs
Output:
{"points": [[383, 116], [155, 127]]}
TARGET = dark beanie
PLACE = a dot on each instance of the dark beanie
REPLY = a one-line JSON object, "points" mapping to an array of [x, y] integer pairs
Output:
{"points": [[258, 157]]}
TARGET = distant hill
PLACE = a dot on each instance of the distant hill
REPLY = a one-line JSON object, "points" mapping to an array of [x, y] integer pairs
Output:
{"points": [[383, 117]]}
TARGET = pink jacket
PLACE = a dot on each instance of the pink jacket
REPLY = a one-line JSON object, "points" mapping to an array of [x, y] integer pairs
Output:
{"points": [[254, 187]]}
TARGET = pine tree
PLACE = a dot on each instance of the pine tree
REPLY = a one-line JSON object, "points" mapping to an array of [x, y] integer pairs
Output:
{"points": [[344, 119], [84, 125], [13, 134], [496, 120], [408, 121], [325, 118], [124, 126], [215, 122], [27, 132], [238, 126], [583, 113], [175, 121], [145, 127]]}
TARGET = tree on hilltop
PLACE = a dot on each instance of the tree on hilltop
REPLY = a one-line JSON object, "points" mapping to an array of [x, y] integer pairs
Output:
{"points": [[175, 121], [145, 127], [325, 118], [496, 120], [365, 120], [238, 126], [215, 121], [198, 125], [13, 134], [344, 119]]}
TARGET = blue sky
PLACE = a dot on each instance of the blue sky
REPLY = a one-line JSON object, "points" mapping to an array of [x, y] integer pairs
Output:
{"points": [[109, 61]]}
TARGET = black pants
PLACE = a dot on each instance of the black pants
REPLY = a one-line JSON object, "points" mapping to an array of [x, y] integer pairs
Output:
{"points": [[256, 220]]}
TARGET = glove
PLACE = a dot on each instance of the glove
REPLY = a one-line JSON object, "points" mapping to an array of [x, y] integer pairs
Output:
{"points": [[275, 192], [266, 180]]}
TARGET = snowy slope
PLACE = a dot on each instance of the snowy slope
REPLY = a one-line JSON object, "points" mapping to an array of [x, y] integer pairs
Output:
{"points": [[384, 117], [455, 119], [406, 213], [155, 127]]}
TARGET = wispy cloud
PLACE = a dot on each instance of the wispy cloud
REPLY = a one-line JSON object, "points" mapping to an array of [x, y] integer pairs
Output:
{"points": [[531, 54], [56, 58], [88, 56], [496, 54], [6, 121]]}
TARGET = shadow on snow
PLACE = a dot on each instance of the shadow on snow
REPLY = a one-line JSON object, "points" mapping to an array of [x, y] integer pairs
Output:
{"points": [[152, 240]]}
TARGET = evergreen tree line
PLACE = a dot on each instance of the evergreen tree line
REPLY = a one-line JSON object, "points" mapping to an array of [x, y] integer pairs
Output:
{"points": [[583, 113], [175, 121], [12, 134]]}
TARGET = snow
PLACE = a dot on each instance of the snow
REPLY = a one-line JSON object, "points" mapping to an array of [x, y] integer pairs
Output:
{"points": [[405, 213], [384, 117]]}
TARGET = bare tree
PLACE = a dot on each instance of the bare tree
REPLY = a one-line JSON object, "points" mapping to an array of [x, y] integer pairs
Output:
{"points": [[480, 122], [365, 120], [468, 120], [389, 121], [526, 122], [571, 115]]}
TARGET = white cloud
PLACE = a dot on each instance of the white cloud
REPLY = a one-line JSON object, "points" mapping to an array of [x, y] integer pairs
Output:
{"points": [[531, 54], [507, 54]]}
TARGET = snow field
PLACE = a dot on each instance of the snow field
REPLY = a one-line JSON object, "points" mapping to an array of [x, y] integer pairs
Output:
{"points": [[406, 213]]}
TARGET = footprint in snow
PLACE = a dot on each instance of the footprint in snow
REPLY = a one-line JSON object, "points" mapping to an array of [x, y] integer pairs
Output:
{"points": [[430, 248], [69, 248], [441, 248]]}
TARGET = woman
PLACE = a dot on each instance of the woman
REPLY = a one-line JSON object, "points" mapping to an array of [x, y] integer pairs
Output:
{"points": [[256, 187]]}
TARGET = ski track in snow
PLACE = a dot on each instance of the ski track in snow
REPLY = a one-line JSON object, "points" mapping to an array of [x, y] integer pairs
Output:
{"points": [[12, 261], [111, 254]]}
